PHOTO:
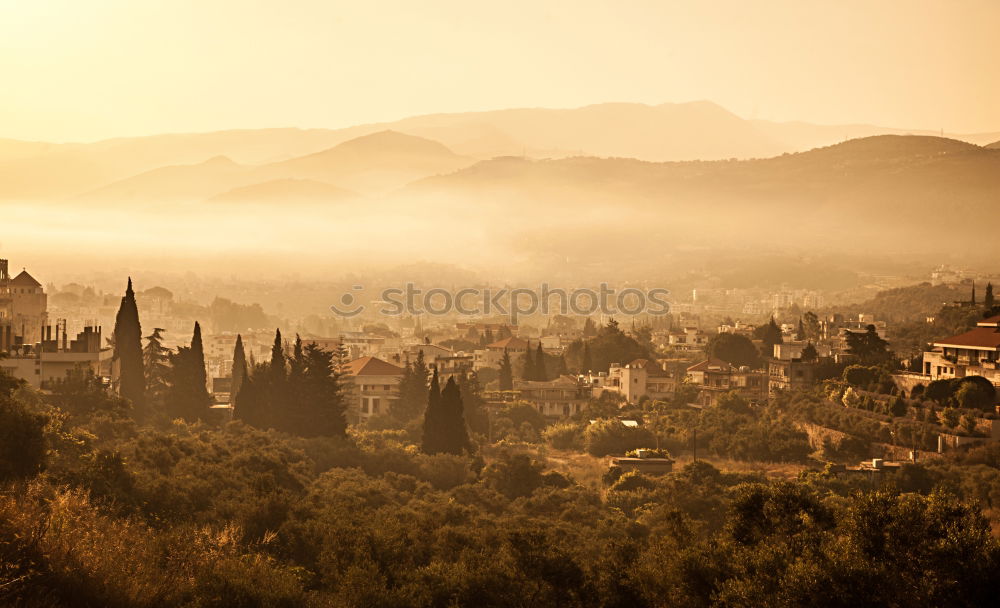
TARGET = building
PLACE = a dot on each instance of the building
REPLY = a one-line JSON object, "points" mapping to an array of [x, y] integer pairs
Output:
{"points": [[715, 377], [50, 360], [371, 386], [492, 354], [23, 309], [973, 353], [637, 379], [564, 396], [688, 338]]}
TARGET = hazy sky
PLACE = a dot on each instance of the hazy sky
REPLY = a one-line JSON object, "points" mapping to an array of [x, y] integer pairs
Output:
{"points": [[89, 69]]}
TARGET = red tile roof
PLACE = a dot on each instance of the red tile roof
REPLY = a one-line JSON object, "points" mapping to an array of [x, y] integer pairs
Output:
{"points": [[980, 337], [370, 366], [993, 321]]}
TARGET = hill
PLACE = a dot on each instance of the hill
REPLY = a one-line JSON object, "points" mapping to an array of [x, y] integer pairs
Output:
{"points": [[665, 132], [889, 192], [995, 145], [281, 191], [176, 183], [373, 163]]}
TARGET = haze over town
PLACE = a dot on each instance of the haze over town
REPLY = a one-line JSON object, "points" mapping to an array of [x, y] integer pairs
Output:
{"points": [[569, 303]]}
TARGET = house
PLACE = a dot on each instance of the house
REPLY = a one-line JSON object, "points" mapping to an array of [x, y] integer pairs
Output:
{"points": [[563, 396], [714, 377], [492, 354], [49, 361], [637, 379], [371, 385], [688, 338], [790, 374], [972, 353]]}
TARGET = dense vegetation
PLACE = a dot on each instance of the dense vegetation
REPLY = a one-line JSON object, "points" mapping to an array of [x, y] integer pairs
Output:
{"points": [[97, 511]]}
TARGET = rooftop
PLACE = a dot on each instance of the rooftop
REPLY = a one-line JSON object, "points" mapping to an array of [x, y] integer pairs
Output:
{"points": [[371, 366], [979, 338], [25, 280]]}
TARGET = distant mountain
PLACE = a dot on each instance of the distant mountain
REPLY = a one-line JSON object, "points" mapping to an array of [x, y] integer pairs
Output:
{"points": [[801, 136], [280, 191], [995, 145], [667, 132], [684, 131], [177, 183], [374, 163], [888, 192]]}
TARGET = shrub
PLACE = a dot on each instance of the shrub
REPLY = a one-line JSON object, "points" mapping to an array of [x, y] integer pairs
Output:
{"points": [[632, 481], [22, 441], [609, 436], [564, 436]]}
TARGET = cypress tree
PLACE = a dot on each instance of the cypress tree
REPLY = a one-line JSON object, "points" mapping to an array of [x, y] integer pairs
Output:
{"points": [[188, 396], [506, 373], [239, 373], [528, 365], [561, 369], [433, 442], [586, 364], [251, 402], [541, 374], [988, 300], [455, 435], [277, 365], [128, 351]]}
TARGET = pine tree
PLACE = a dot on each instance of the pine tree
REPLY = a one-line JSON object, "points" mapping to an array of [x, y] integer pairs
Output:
{"points": [[506, 378], [770, 335], [528, 365], [988, 301], [188, 396], [433, 440], [128, 351], [541, 373], [318, 405], [155, 359], [412, 391], [240, 370]]}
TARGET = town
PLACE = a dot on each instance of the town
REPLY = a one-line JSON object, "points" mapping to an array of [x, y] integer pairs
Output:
{"points": [[388, 304]]}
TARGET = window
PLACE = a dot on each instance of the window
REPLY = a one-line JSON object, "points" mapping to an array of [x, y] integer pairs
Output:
{"points": [[375, 403]]}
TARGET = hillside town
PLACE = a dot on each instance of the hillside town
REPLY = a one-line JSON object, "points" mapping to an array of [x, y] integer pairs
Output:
{"points": [[560, 369]]}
